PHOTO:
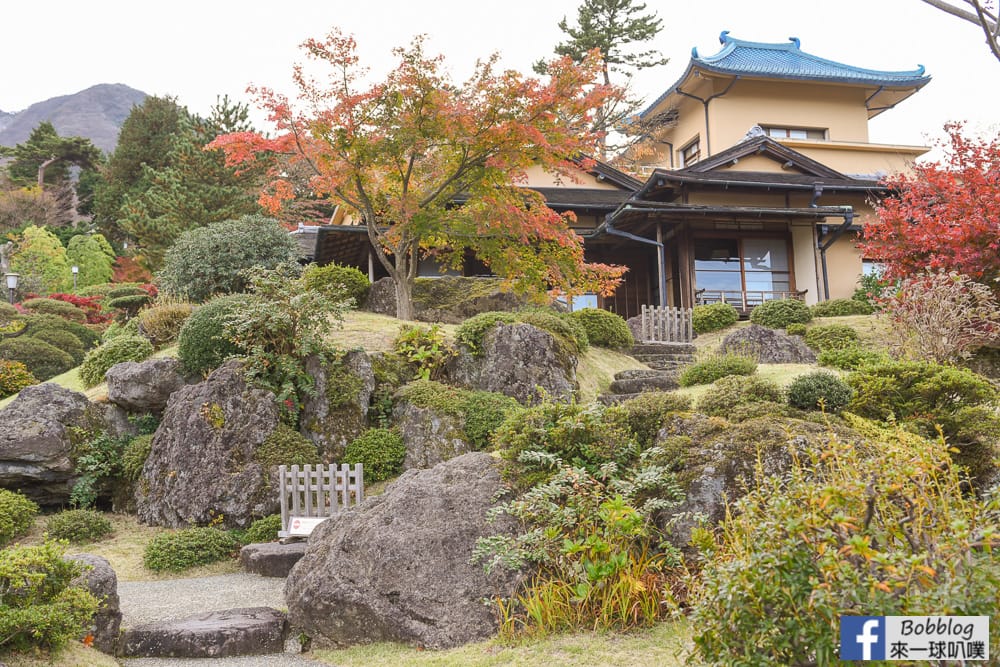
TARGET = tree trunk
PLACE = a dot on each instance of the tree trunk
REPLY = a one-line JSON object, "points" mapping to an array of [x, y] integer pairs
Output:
{"points": [[404, 297]]}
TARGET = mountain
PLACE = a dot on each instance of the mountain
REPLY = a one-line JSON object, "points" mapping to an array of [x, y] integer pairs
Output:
{"points": [[96, 113]]}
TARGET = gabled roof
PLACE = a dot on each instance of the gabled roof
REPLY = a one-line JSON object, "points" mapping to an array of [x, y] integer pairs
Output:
{"points": [[580, 198], [764, 145], [787, 61]]}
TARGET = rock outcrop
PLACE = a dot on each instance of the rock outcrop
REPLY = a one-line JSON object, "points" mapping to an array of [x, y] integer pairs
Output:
{"points": [[144, 386], [338, 413], [100, 579], [448, 299], [202, 464], [430, 437], [396, 568], [521, 361], [36, 433], [768, 346]]}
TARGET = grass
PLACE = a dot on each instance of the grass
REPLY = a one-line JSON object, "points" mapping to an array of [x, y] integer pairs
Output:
{"points": [[665, 645], [597, 368], [783, 374], [374, 333], [74, 654]]}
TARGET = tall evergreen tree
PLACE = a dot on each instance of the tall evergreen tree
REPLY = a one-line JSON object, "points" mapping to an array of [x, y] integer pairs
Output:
{"points": [[45, 157], [94, 257]]}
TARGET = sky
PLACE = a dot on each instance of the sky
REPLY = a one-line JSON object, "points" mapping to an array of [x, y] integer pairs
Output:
{"points": [[198, 50]]}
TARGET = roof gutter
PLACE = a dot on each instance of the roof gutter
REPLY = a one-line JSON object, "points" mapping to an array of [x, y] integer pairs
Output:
{"points": [[704, 102], [608, 227], [825, 245]]}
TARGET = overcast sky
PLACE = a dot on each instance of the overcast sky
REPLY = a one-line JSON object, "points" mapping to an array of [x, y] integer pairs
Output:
{"points": [[196, 50]]}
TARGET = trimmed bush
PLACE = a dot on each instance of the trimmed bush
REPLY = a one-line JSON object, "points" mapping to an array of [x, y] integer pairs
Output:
{"points": [[63, 340], [211, 260], [851, 358], [87, 336], [16, 515], [831, 337], [14, 376], [779, 313], [286, 446], [380, 450], [183, 549], [841, 308], [78, 526], [796, 329], [713, 317], [717, 366], [473, 330], [604, 328], [263, 530], [202, 343], [645, 414], [58, 308], [129, 305], [806, 392], [162, 323], [38, 608], [119, 329], [44, 361], [7, 312], [565, 329], [484, 411], [734, 390], [134, 456], [119, 291], [99, 360], [337, 282]]}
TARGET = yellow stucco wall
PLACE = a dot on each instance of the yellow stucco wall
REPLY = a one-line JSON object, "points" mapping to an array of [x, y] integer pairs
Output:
{"points": [[538, 177], [843, 261]]}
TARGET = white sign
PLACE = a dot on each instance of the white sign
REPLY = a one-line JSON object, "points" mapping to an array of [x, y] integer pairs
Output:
{"points": [[302, 526]]}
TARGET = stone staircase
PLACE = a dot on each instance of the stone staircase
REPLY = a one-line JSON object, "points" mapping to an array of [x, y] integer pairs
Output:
{"points": [[664, 361]]}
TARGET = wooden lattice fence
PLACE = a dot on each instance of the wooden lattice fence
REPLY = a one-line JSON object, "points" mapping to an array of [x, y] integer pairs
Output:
{"points": [[318, 491]]}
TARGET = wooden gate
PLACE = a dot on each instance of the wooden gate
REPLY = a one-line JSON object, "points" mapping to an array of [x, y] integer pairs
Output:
{"points": [[665, 324], [318, 491]]}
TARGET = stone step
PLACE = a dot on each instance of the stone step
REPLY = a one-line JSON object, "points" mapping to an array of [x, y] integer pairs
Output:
{"points": [[668, 365], [639, 385], [216, 634], [663, 348], [663, 359], [614, 399], [634, 373], [271, 559]]}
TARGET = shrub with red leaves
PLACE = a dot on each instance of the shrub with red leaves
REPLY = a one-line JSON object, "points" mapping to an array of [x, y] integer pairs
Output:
{"points": [[91, 305]]}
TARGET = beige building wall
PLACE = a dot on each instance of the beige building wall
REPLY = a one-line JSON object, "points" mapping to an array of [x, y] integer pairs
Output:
{"points": [[859, 159], [843, 262], [539, 178], [804, 261]]}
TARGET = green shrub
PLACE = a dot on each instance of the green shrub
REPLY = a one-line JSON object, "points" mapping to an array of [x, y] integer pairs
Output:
{"points": [[61, 309], [841, 308], [286, 446], [851, 358], [645, 414], [62, 340], [7, 312], [99, 360], [38, 608], [14, 376], [796, 329], [483, 412], [119, 291], [162, 323], [604, 328], [78, 526], [129, 305], [87, 336], [182, 549], [44, 361], [16, 516], [134, 456], [381, 451], [831, 337], [337, 282], [263, 530], [202, 343], [731, 391], [119, 329], [713, 317], [566, 330], [806, 392], [843, 532], [779, 313], [473, 330], [717, 366], [206, 261], [102, 290], [425, 348]]}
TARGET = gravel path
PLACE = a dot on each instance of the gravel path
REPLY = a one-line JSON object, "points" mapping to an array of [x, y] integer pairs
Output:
{"points": [[284, 660]]}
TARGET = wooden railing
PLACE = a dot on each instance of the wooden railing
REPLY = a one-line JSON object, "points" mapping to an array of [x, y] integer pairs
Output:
{"points": [[666, 325], [318, 491], [744, 300]]}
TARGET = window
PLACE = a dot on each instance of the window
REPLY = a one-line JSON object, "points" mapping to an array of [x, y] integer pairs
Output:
{"points": [[795, 132], [871, 267], [690, 153], [737, 265]]}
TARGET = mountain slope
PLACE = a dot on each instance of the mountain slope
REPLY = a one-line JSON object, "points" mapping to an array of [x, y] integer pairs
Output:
{"points": [[96, 113]]}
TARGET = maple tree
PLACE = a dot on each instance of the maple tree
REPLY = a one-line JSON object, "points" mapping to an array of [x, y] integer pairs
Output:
{"points": [[944, 215], [433, 168]]}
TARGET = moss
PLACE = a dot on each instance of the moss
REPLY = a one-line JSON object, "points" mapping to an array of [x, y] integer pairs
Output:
{"points": [[480, 412], [286, 446], [342, 386], [451, 292], [213, 414]]}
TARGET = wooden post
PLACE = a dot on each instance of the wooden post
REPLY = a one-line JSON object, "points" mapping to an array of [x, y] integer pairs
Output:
{"points": [[661, 272], [371, 266]]}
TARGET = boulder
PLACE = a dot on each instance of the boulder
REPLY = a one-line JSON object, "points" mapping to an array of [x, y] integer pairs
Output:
{"points": [[202, 463], [430, 437], [397, 567], [216, 634], [768, 346], [36, 440], [144, 386], [118, 422], [100, 579], [338, 413], [448, 299], [381, 297], [518, 360], [271, 559]]}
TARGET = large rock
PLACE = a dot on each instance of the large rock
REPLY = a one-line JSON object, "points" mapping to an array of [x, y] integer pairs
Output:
{"points": [[518, 360], [271, 559], [144, 386], [338, 413], [100, 579], [449, 299], [36, 441], [202, 464], [396, 568], [768, 346], [216, 634], [430, 437]]}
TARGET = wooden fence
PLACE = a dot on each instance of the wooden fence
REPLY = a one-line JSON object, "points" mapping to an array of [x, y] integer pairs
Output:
{"points": [[318, 490], [666, 325], [745, 300]]}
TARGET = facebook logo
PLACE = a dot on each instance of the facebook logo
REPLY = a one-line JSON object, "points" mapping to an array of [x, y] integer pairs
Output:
{"points": [[862, 637]]}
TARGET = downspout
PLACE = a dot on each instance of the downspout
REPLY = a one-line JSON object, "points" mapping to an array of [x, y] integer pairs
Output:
{"points": [[609, 228], [825, 245], [704, 102]]}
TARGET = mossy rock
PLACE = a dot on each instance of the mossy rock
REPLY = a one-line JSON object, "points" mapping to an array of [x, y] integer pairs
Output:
{"points": [[338, 412]]}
